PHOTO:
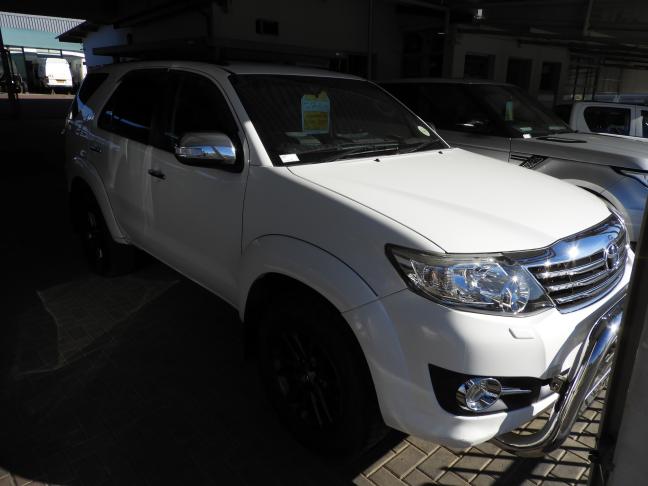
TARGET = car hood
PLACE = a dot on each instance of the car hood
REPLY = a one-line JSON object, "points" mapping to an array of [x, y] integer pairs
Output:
{"points": [[593, 148], [463, 202]]}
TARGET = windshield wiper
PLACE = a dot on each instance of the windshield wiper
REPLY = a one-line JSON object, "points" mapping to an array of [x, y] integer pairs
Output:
{"points": [[425, 145], [344, 151]]}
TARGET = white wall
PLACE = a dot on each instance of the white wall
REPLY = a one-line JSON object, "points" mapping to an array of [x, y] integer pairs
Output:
{"points": [[634, 81], [105, 36], [504, 48]]}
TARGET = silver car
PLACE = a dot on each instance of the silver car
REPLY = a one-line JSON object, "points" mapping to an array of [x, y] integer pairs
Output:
{"points": [[502, 121]]}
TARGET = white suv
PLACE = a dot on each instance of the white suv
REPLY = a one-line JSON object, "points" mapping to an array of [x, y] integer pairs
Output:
{"points": [[381, 273]]}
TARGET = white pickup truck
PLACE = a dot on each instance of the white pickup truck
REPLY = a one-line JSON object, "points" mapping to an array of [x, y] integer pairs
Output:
{"points": [[610, 118], [382, 275]]}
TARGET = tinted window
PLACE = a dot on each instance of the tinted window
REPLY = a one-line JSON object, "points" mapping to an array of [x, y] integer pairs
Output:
{"points": [[608, 119], [90, 85], [644, 123], [129, 111], [519, 72], [199, 107], [448, 107], [517, 112]]}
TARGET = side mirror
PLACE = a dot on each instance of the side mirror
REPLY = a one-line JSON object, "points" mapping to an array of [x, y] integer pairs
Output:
{"points": [[206, 149]]}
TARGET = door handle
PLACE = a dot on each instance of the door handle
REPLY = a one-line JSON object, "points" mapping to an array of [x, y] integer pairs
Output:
{"points": [[157, 173], [95, 148]]}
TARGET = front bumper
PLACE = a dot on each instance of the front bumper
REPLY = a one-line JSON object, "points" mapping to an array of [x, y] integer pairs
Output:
{"points": [[403, 333]]}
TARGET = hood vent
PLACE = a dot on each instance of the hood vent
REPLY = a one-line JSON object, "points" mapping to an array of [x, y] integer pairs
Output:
{"points": [[529, 161], [549, 138]]}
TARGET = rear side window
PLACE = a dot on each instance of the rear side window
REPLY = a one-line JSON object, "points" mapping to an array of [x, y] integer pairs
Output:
{"points": [[89, 86], [608, 119], [129, 111]]}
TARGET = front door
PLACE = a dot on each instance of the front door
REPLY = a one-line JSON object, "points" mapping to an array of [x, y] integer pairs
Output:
{"points": [[197, 211]]}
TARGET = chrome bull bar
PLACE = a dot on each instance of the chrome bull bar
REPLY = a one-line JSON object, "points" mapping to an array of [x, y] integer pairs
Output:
{"points": [[587, 376]]}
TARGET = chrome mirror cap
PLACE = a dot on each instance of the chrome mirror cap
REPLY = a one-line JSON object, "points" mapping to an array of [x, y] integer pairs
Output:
{"points": [[205, 148]]}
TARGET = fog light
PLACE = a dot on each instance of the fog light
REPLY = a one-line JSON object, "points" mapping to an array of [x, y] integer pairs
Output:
{"points": [[479, 394]]}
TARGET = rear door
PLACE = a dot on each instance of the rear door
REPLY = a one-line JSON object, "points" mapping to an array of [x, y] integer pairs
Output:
{"points": [[197, 211], [80, 114], [120, 151]]}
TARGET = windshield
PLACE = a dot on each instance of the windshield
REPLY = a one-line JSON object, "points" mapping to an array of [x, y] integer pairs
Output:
{"points": [[521, 114], [310, 119]]}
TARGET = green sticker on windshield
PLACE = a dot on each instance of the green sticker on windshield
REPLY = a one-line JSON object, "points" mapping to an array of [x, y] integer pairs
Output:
{"points": [[316, 113], [508, 111]]}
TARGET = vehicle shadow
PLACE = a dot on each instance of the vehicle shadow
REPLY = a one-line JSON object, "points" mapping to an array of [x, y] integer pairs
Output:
{"points": [[164, 396]]}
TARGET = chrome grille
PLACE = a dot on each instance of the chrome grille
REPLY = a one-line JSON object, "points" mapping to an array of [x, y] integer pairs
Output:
{"points": [[581, 269]]}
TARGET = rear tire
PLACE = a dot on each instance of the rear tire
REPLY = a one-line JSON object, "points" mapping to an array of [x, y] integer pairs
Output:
{"points": [[316, 378], [104, 255]]}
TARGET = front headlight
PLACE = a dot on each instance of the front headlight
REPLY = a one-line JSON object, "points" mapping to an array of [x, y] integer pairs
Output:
{"points": [[489, 284], [640, 175]]}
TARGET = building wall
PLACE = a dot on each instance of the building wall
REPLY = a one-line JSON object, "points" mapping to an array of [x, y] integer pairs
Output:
{"points": [[331, 25], [504, 48], [634, 81], [105, 36]]}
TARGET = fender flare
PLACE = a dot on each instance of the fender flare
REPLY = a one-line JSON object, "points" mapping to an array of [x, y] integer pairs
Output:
{"points": [[309, 264], [83, 171]]}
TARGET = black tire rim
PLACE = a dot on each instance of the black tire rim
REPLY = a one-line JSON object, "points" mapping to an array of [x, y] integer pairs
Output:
{"points": [[306, 379]]}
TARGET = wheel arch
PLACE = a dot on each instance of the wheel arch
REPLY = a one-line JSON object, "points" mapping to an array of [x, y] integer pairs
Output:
{"points": [[80, 187], [273, 262]]}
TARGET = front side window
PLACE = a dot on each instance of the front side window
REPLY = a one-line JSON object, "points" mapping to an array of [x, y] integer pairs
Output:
{"points": [[129, 111], [312, 119], [608, 119], [199, 107]]}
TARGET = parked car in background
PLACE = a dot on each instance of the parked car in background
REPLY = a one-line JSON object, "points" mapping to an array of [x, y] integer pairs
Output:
{"points": [[609, 118], [54, 74], [381, 274], [501, 121], [14, 82]]}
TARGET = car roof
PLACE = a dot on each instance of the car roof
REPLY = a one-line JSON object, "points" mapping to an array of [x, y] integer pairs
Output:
{"points": [[444, 81], [231, 68]]}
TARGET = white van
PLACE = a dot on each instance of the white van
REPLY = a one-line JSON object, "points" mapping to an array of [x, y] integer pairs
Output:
{"points": [[54, 73]]}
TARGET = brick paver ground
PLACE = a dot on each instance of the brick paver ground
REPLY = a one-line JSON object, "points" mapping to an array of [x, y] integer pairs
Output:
{"points": [[143, 379]]}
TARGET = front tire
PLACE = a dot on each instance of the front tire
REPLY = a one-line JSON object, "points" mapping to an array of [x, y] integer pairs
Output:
{"points": [[316, 378]]}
